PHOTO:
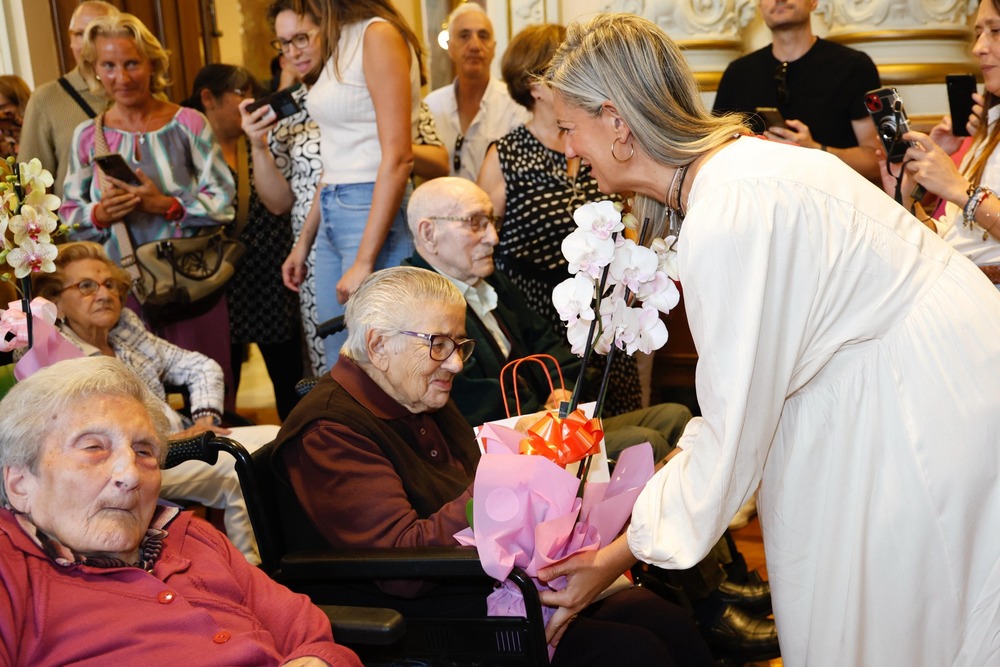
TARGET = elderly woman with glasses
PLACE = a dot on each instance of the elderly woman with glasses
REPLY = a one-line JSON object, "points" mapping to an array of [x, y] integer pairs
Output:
{"points": [[379, 456], [88, 290], [94, 571]]}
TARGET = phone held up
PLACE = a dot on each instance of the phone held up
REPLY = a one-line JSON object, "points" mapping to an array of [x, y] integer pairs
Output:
{"points": [[282, 101], [114, 165], [960, 90], [886, 109], [772, 117]]}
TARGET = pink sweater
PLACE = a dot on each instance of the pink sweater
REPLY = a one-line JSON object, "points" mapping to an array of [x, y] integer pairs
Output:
{"points": [[203, 604]]}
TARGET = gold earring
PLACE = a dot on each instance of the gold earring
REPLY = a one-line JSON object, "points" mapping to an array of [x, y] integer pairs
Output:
{"points": [[618, 159]]}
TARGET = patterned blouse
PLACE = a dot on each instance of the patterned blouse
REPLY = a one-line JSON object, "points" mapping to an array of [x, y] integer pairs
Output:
{"points": [[182, 158], [160, 362]]}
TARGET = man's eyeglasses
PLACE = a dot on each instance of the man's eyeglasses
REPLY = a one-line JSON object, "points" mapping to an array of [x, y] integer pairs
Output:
{"points": [[299, 41], [476, 223], [456, 158], [442, 347], [781, 82], [89, 286]]}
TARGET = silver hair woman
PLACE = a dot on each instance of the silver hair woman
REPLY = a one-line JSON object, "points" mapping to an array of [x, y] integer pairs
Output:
{"points": [[83, 540], [840, 342], [385, 300], [29, 407]]}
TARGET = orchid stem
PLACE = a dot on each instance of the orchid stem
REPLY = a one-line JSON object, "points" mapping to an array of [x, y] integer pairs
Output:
{"points": [[588, 349]]}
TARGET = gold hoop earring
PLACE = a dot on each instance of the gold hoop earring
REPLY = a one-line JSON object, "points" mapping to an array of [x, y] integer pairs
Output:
{"points": [[618, 159]]}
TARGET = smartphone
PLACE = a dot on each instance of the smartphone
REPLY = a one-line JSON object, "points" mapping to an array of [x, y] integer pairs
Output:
{"points": [[282, 101], [960, 89], [772, 117], [885, 107], [114, 165]]}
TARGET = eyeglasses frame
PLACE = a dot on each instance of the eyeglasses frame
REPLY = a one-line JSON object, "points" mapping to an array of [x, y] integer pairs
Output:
{"points": [[459, 345]]}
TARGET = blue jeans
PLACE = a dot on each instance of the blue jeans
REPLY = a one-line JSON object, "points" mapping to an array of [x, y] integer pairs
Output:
{"points": [[344, 215]]}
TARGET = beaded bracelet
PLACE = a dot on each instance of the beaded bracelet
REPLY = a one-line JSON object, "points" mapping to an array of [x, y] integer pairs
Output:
{"points": [[205, 412], [977, 197]]}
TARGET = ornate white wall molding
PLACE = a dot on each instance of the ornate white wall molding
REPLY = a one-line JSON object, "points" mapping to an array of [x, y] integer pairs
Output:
{"points": [[912, 41]]}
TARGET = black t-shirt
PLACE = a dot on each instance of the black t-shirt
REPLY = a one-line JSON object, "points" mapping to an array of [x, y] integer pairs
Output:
{"points": [[826, 89]]}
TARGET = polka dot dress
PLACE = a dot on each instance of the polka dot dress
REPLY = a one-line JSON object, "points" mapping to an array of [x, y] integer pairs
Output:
{"points": [[541, 198]]}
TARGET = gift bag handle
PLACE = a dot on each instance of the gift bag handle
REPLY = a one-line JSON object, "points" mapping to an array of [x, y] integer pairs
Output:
{"points": [[513, 366]]}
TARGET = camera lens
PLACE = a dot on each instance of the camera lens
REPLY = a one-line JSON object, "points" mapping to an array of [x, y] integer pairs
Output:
{"points": [[888, 129]]}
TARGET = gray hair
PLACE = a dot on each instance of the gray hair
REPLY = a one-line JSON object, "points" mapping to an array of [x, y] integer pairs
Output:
{"points": [[604, 59], [465, 8], [387, 299], [29, 409]]}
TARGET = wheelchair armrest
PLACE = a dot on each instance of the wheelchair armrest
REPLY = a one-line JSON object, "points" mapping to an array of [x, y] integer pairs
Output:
{"points": [[396, 563], [364, 625]]}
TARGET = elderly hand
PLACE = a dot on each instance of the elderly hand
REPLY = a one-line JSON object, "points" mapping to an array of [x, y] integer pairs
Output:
{"points": [[200, 426], [306, 661], [351, 280], [587, 575], [257, 123], [796, 132]]}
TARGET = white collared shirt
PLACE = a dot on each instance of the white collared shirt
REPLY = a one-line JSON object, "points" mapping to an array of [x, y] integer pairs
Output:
{"points": [[482, 298], [498, 114]]}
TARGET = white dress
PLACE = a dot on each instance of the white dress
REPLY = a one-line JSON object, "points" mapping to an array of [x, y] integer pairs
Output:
{"points": [[849, 363]]}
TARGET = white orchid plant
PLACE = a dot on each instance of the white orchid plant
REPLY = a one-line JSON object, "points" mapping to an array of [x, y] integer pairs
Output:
{"points": [[28, 215], [619, 287]]}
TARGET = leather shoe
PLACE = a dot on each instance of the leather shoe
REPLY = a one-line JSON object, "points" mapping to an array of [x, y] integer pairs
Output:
{"points": [[738, 635], [752, 597]]}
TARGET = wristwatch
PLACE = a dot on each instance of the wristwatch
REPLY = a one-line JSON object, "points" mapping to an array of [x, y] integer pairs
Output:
{"points": [[175, 212]]}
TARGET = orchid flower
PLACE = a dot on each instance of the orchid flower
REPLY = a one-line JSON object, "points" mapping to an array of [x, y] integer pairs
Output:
{"points": [[34, 176], [588, 252], [602, 219], [598, 253], [633, 265], [33, 224], [32, 257], [573, 298]]}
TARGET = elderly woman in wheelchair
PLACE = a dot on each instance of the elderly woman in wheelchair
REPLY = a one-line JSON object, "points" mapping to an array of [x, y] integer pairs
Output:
{"points": [[89, 290], [379, 456], [94, 571]]}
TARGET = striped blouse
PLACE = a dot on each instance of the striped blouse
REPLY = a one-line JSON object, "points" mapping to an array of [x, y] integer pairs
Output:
{"points": [[182, 158]]}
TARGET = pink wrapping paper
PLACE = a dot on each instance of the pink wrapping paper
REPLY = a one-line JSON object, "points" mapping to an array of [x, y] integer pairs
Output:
{"points": [[526, 512], [49, 345]]}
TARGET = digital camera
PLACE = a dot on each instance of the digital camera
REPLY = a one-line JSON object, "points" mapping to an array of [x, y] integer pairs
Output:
{"points": [[886, 109]]}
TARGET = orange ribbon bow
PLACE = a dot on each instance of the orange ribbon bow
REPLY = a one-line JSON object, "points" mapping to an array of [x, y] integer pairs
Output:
{"points": [[563, 441]]}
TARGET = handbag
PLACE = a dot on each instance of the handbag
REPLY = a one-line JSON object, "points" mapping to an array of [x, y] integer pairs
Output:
{"points": [[178, 278]]}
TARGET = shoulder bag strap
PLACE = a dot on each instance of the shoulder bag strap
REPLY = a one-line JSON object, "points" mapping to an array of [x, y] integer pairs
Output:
{"points": [[72, 92], [242, 188], [122, 234]]}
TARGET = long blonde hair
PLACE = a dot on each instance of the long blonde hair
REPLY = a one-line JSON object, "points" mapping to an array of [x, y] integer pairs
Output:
{"points": [[632, 62], [335, 14]]}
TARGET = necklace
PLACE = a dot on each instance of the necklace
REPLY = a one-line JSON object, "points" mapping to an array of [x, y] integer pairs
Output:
{"points": [[673, 210]]}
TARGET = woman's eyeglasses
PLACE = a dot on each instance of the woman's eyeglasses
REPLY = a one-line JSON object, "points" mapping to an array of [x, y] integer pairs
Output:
{"points": [[476, 223], [299, 41], [88, 286], [781, 82], [442, 347]]}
